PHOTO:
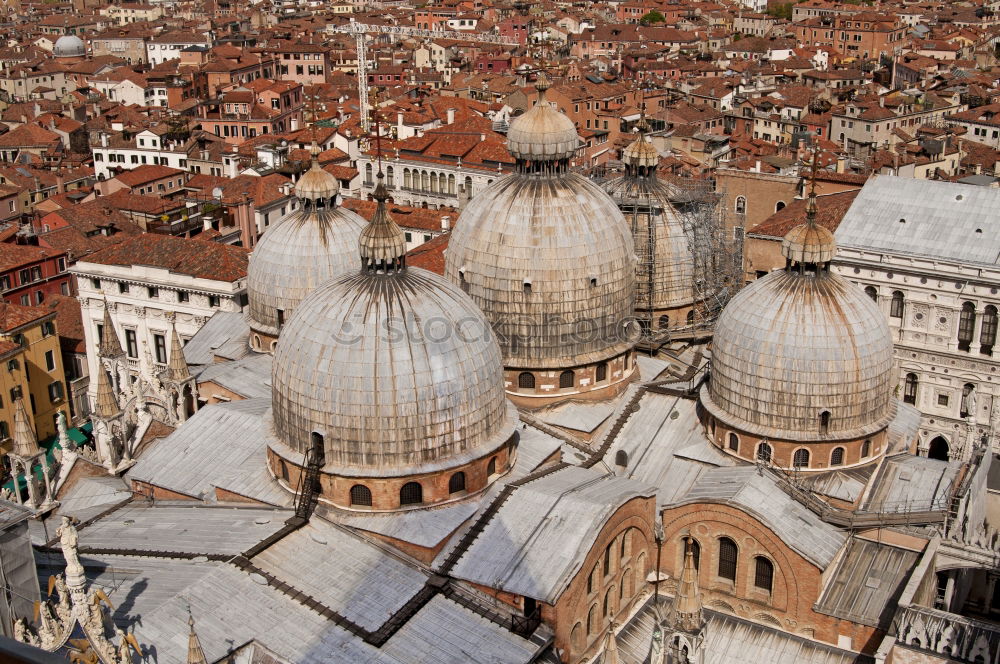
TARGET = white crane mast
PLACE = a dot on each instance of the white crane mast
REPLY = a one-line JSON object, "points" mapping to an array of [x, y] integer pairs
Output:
{"points": [[360, 32]]}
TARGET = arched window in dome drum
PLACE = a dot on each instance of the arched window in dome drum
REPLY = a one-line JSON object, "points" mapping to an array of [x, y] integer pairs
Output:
{"points": [[284, 469], [734, 442], [664, 321], [837, 456], [602, 371], [456, 482], [491, 467], [526, 380], [741, 205], [988, 333], [801, 458], [896, 305], [764, 453], [871, 292], [361, 496], [966, 326], [763, 576], [411, 493], [690, 317], [866, 449], [910, 389], [728, 558], [824, 422], [567, 379], [621, 459]]}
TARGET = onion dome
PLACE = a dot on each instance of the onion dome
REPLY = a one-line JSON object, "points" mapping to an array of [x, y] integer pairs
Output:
{"points": [[547, 256], [307, 247], [665, 270], [802, 354], [395, 367], [69, 46], [543, 133]]}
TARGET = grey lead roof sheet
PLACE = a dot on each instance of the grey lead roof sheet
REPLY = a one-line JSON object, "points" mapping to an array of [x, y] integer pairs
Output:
{"points": [[231, 608], [358, 580], [222, 445], [912, 482], [537, 541], [222, 328], [941, 219], [798, 527], [89, 496], [867, 583], [249, 377], [183, 528]]}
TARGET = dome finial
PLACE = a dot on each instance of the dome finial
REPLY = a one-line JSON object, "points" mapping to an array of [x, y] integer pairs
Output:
{"points": [[542, 84], [382, 242]]}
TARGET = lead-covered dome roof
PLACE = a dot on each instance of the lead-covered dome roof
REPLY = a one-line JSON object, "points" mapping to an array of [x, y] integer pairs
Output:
{"points": [[550, 261], [797, 343], [543, 133], [309, 246], [395, 367], [69, 46]]}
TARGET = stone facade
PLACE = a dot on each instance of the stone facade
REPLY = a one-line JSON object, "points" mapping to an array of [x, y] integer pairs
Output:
{"points": [[926, 318]]}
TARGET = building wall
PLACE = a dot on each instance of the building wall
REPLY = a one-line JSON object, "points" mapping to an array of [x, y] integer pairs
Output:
{"points": [[585, 595], [411, 183], [12, 379], [41, 351], [148, 315], [761, 192], [926, 339], [28, 284], [797, 581]]}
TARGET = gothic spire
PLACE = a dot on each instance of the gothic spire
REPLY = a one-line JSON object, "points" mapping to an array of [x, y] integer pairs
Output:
{"points": [[687, 606], [196, 655], [25, 442], [111, 347], [611, 655], [177, 365], [107, 405]]}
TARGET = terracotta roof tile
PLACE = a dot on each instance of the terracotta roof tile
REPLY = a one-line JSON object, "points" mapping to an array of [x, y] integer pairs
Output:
{"points": [[198, 258]]}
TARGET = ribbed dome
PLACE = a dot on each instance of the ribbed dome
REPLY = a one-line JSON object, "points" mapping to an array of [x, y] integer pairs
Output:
{"points": [[543, 133], [316, 183], [665, 271], [792, 345], [550, 261], [809, 243], [641, 152], [294, 256], [399, 372], [69, 46]]}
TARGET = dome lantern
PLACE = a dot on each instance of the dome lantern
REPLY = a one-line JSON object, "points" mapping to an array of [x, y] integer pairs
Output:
{"points": [[543, 139], [382, 242], [640, 157], [809, 248], [317, 187]]}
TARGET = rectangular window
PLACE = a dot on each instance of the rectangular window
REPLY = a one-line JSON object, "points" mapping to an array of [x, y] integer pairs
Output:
{"points": [[131, 347], [62, 264], [55, 391], [942, 399], [153, 292], [36, 273], [122, 287], [50, 360], [182, 296], [25, 300], [5, 282], [64, 288], [213, 301], [39, 297], [24, 276], [160, 344], [48, 328]]}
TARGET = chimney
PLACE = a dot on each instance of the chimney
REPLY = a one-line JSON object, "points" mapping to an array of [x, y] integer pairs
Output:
{"points": [[881, 101], [60, 184], [104, 140], [37, 109], [482, 137], [451, 115], [445, 223], [756, 167], [841, 164]]}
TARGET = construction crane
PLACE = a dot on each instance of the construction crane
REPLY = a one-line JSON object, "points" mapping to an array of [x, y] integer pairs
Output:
{"points": [[360, 32]]}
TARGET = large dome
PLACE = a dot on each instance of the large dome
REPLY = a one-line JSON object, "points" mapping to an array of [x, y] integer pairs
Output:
{"points": [[799, 343], [311, 245], [69, 46], [550, 261], [665, 271], [396, 368]]}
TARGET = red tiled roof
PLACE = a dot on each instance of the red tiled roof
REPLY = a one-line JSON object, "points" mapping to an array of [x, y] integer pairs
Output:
{"points": [[430, 255], [830, 211], [13, 316], [69, 322], [198, 258]]}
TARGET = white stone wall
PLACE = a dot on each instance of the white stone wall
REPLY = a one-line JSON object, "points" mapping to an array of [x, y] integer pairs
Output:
{"points": [[926, 339], [147, 315], [408, 191]]}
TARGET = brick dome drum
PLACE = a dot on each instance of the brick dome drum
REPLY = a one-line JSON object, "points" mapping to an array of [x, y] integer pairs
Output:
{"points": [[399, 373]]}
